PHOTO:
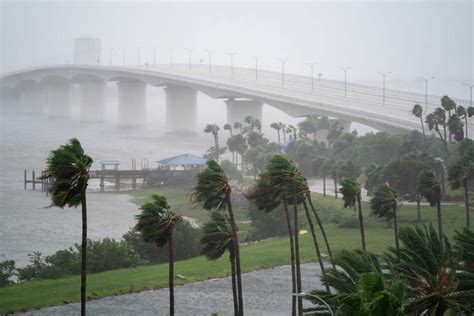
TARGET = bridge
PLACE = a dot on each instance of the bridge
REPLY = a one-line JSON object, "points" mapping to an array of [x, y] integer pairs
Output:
{"points": [[243, 90]]}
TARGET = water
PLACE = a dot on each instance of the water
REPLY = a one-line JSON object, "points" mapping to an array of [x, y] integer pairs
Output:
{"points": [[265, 292]]}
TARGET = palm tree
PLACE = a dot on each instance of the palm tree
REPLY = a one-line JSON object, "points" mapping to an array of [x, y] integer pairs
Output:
{"points": [[213, 190], [276, 126], [459, 173], [293, 130], [335, 168], [351, 194], [418, 112], [429, 187], [462, 113], [434, 120], [155, 224], [448, 105], [238, 125], [268, 197], [384, 204], [228, 127], [214, 130], [216, 238], [68, 167], [435, 277]]}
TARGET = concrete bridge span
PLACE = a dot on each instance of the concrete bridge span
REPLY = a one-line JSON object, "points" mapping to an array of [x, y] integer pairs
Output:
{"points": [[242, 94]]}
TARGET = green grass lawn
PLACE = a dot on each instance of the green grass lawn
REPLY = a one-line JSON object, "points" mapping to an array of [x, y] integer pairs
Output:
{"points": [[254, 256]]}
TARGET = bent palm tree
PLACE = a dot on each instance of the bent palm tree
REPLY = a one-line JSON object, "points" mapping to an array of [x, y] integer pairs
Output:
{"points": [[429, 187], [384, 204], [68, 167], [351, 194], [276, 126], [213, 190], [418, 112], [216, 238], [459, 174], [214, 130], [156, 223]]}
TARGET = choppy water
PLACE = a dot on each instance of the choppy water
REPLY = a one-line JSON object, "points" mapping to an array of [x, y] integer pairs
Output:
{"points": [[265, 292]]}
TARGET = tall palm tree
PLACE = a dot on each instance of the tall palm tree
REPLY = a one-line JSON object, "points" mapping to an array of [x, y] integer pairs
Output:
{"points": [[216, 238], [276, 126], [267, 196], [434, 120], [351, 194], [429, 187], [459, 174], [214, 130], [228, 127], [155, 224], [238, 125], [293, 130], [418, 112], [213, 191], [282, 172], [68, 167], [448, 105], [384, 204]]}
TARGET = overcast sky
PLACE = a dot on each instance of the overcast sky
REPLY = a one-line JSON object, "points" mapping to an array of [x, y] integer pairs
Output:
{"points": [[409, 38]]}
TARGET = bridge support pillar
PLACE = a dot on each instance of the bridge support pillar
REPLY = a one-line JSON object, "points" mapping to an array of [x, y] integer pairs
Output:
{"points": [[238, 110], [92, 101], [132, 102], [31, 100], [59, 99], [181, 108]]}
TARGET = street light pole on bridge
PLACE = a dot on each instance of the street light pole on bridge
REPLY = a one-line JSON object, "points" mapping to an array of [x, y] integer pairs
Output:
{"points": [[312, 75], [189, 50], [171, 58], [256, 67], [232, 64], [138, 55], [345, 69], [384, 74], [209, 54], [123, 56], [154, 56], [427, 80], [110, 56], [283, 61]]}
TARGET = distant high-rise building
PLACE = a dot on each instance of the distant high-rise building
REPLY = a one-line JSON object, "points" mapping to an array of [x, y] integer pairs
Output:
{"points": [[87, 51]]}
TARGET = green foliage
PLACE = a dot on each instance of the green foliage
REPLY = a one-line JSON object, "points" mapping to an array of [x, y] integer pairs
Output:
{"points": [[156, 221], [384, 202], [68, 166], [429, 187], [212, 187], [350, 191], [7, 271], [103, 255], [216, 236], [231, 170], [465, 248]]}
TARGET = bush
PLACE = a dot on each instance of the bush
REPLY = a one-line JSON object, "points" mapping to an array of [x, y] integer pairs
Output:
{"points": [[103, 255], [185, 242], [267, 224], [7, 271]]}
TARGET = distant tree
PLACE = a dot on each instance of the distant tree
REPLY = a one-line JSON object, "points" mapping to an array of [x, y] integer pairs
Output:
{"points": [[7, 272], [336, 129], [68, 167], [239, 126], [213, 191], [456, 127], [214, 130], [277, 126], [320, 169], [418, 112], [241, 148], [292, 129], [217, 238], [463, 114], [156, 223], [253, 124], [384, 204], [448, 105], [434, 121], [351, 195], [228, 127], [348, 169]]}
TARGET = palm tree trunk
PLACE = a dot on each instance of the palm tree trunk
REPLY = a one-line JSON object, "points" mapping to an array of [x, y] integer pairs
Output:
{"points": [[83, 254], [466, 202], [361, 222], [440, 224], [395, 228], [292, 258], [216, 142], [321, 227], [335, 188], [279, 143], [315, 240], [423, 128], [465, 120], [324, 186], [171, 271], [297, 250], [237, 254], [234, 285], [418, 210]]}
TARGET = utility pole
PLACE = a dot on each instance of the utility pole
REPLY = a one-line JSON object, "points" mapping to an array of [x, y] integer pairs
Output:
{"points": [[312, 75], [345, 69], [470, 86], [209, 54], [427, 80], [189, 57], [110, 57], [232, 64], [283, 61], [384, 74], [154, 56]]}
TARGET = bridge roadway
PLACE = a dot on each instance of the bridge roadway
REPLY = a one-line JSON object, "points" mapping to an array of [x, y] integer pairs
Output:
{"points": [[292, 94]]}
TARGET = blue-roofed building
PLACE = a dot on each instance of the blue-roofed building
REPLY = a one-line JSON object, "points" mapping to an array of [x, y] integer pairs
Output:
{"points": [[182, 162]]}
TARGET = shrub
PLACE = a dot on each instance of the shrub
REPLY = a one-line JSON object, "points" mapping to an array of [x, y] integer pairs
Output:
{"points": [[7, 271]]}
